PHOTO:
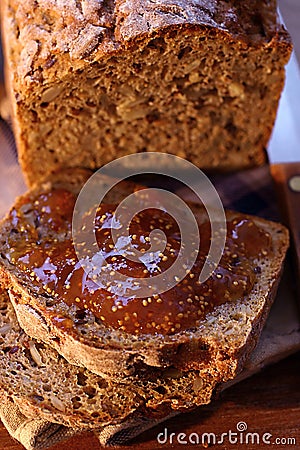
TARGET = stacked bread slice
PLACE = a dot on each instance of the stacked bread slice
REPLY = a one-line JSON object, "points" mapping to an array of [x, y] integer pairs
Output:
{"points": [[88, 374], [44, 384]]}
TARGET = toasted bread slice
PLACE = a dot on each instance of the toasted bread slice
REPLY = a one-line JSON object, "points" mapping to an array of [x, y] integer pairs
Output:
{"points": [[219, 344]]}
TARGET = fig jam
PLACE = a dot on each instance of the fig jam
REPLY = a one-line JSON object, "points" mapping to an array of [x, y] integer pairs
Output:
{"points": [[40, 245]]}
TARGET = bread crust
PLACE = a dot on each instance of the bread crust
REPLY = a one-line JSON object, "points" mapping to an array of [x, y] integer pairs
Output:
{"points": [[95, 30]]}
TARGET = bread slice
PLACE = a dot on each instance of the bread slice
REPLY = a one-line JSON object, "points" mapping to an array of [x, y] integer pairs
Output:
{"points": [[218, 344], [42, 383], [92, 81]]}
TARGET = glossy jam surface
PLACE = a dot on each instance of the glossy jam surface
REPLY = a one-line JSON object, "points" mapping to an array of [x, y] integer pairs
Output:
{"points": [[40, 245]]}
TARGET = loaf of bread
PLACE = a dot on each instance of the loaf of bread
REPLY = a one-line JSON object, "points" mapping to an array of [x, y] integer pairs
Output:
{"points": [[87, 327], [91, 81]]}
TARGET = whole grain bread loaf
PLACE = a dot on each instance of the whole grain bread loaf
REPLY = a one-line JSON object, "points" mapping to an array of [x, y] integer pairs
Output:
{"points": [[218, 342], [93, 81], [44, 384]]}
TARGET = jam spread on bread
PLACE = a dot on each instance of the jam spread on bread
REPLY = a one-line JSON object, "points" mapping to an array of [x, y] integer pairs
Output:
{"points": [[40, 244]]}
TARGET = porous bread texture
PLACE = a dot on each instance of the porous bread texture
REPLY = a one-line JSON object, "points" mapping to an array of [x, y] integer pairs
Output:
{"points": [[92, 81], [42, 383], [220, 343]]}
